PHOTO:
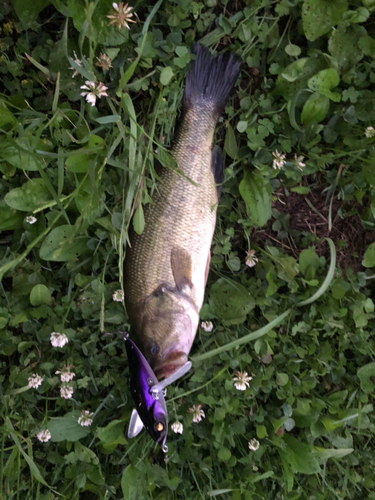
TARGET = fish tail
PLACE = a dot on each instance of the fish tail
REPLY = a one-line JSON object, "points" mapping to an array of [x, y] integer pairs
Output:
{"points": [[210, 79]]}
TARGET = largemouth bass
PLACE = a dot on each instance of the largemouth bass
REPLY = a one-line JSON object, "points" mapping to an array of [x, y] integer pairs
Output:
{"points": [[166, 267]]}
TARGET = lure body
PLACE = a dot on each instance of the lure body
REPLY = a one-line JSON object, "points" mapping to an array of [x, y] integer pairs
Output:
{"points": [[150, 406], [148, 395]]}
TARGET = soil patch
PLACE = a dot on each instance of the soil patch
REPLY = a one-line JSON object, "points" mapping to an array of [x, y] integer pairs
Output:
{"points": [[310, 214]]}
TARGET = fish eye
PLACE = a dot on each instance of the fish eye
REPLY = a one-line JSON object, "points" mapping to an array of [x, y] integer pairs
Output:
{"points": [[159, 426], [150, 382], [154, 348]]}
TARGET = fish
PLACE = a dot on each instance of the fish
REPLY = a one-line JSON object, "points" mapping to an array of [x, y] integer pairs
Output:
{"points": [[148, 395], [166, 267]]}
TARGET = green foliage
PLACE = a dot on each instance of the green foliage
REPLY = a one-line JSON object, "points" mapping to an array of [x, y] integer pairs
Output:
{"points": [[62, 245], [230, 301], [369, 257], [319, 16], [67, 428], [256, 191], [33, 195], [74, 177]]}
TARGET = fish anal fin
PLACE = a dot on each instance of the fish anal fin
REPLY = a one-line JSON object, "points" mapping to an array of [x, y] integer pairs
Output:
{"points": [[217, 167], [181, 268]]}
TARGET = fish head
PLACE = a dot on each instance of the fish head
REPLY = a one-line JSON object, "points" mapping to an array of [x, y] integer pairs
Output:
{"points": [[169, 327], [151, 407]]}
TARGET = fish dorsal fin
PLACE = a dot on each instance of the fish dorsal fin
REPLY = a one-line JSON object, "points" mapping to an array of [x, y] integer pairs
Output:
{"points": [[181, 268], [135, 424], [217, 167]]}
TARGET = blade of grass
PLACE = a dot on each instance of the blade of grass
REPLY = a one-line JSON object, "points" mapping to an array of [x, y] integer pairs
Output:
{"points": [[56, 96], [81, 151], [200, 387], [33, 468], [51, 189], [243, 340], [37, 65], [82, 71], [128, 105], [292, 109], [65, 37], [315, 210], [60, 169], [328, 279]]}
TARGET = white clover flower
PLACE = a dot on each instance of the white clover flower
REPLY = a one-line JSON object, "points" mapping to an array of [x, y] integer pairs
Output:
{"points": [[78, 62], [254, 444], [369, 132], [118, 296], [122, 16], [251, 260], [30, 219], [177, 427], [207, 326], [44, 436], [66, 391], [104, 62], [35, 381], [65, 374], [241, 380], [197, 412], [298, 162], [58, 339], [85, 418], [95, 89], [279, 160]]}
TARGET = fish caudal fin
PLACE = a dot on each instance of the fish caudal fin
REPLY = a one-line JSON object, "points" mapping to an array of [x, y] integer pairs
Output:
{"points": [[210, 78]]}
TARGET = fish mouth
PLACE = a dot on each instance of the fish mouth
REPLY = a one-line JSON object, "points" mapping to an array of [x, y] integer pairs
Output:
{"points": [[170, 365]]}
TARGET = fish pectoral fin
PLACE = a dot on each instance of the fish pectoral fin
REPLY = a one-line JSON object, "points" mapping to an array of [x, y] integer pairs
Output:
{"points": [[135, 424], [181, 268], [217, 167]]}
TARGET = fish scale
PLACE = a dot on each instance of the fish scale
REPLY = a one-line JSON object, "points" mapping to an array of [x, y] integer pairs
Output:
{"points": [[166, 266], [177, 203]]}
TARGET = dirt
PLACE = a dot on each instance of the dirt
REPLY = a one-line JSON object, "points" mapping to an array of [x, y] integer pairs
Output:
{"points": [[310, 214]]}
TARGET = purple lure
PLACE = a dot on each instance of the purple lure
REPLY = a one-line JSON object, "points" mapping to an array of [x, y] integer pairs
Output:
{"points": [[150, 406]]}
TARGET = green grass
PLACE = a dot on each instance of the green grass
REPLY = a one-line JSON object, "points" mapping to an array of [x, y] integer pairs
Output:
{"points": [[300, 321]]}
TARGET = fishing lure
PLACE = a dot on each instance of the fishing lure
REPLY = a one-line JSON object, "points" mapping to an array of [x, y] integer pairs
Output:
{"points": [[148, 395]]}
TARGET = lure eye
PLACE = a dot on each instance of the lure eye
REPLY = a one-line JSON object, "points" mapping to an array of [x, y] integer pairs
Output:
{"points": [[159, 426]]}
